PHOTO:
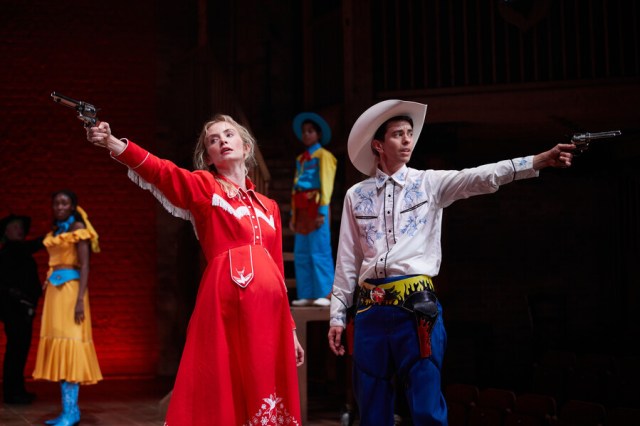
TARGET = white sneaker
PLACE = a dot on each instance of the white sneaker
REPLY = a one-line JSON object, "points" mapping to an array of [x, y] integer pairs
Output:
{"points": [[323, 301], [302, 302]]}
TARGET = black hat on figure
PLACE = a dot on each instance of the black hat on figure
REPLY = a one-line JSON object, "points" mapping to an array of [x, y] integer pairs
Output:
{"points": [[5, 221]]}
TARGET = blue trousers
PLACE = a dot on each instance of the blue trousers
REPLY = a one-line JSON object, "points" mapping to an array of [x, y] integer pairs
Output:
{"points": [[386, 348], [313, 260]]}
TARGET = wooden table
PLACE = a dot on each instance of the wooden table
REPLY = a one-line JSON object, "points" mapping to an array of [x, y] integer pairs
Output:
{"points": [[302, 316]]}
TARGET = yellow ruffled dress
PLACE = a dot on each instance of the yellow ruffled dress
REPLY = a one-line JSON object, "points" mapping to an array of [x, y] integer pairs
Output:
{"points": [[66, 350]]}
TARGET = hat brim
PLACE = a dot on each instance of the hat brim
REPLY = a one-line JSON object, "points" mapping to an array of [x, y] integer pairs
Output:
{"points": [[363, 130], [324, 126], [26, 223]]}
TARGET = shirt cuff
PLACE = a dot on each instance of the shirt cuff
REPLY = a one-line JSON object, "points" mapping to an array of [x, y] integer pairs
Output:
{"points": [[133, 155], [523, 168], [336, 322]]}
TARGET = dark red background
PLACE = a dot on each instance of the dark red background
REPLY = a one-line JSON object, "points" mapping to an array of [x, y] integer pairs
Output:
{"points": [[97, 53]]}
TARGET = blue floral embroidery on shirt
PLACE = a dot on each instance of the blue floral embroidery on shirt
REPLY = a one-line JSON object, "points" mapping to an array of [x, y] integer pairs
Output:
{"points": [[365, 203], [411, 198], [370, 234], [412, 195], [411, 226], [522, 162]]}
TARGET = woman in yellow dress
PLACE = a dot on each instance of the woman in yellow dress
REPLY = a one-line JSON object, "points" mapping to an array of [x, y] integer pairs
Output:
{"points": [[65, 352]]}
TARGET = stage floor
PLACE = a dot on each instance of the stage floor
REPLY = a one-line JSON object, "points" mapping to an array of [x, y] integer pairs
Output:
{"points": [[118, 402]]}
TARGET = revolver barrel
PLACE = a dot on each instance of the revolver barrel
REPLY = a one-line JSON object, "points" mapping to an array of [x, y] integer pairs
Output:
{"points": [[582, 140], [600, 135], [65, 100], [86, 112]]}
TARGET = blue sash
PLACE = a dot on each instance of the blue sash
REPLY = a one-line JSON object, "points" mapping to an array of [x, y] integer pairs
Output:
{"points": [[61, 276]]}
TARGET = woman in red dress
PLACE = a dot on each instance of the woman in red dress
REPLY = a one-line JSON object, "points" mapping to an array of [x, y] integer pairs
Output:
{"points": [[239, 362]]}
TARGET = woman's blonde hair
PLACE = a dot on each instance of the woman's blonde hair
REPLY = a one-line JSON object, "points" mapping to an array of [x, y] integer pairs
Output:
{"points": [[200, 156]]}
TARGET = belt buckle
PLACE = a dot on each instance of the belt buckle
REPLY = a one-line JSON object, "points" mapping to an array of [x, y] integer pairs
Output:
{"points": [[377, 294]]}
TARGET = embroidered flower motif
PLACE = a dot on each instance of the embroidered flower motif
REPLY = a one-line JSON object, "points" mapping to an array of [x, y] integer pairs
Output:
{"points": [[272, 401], [371, 235], [522, 162], [365, 203], [411, 227], [412, 195], [272, 413]]}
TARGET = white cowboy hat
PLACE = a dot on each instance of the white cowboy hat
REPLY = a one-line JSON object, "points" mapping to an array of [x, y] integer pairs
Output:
{"points": [[363, 130]]}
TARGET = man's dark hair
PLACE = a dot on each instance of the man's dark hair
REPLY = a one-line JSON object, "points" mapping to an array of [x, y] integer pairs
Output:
{"points": [[379, 134]]}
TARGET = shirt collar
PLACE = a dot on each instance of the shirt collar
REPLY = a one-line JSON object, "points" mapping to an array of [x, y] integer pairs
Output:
{"points": [[313, 148], [247, 181], [251, 189], [399, 177]]}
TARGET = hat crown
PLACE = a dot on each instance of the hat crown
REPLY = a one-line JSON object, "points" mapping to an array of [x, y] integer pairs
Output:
{"points": [[26, 223], [363, 130]]}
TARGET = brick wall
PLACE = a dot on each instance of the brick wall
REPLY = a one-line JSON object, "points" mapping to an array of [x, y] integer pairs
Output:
{"points": [[102, 53]]}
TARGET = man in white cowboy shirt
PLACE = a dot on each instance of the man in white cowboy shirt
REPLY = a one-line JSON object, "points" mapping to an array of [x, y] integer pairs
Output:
{"points": [[389, 250]]}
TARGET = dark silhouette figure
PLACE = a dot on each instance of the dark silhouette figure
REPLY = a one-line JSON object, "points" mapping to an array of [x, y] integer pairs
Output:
{"points": [[20, 289]]}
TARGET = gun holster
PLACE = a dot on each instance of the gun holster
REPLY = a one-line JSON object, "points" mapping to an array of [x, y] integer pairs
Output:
{"points": [[350, 329], [424, 306], [351, 318]]}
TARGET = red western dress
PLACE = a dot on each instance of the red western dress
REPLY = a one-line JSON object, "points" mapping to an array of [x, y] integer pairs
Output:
{"points": [[238, 366]]}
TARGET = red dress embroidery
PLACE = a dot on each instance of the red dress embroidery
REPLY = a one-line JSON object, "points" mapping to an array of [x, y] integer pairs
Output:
{"points": [[238, 365]]}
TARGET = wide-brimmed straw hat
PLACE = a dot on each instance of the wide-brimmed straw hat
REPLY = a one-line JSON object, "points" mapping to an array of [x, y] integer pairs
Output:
{"points": [[324, 126], [26, 223], [363, 130]]}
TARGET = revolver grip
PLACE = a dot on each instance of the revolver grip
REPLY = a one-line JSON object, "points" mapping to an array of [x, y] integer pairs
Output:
{"points": [[88, 121]]}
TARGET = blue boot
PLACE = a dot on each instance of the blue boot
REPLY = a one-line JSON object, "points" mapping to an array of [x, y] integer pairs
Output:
{"points": [[70, 411], [63, 384]]}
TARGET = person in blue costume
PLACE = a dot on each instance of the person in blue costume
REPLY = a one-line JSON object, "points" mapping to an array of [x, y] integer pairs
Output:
{"points": [[310, 218]]}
